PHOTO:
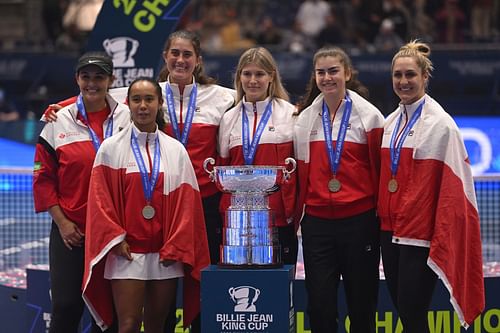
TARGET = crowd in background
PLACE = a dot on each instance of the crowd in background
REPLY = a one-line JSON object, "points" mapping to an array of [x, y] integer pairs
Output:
{"points": [[68, 22], [364, 25], [303, 25]]}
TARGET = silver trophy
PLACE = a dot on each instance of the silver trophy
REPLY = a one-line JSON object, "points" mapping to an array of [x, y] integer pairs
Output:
{"points": [[249, 235]]}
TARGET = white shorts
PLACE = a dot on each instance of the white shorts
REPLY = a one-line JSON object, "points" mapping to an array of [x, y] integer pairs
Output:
{"points": [[144, 266]]}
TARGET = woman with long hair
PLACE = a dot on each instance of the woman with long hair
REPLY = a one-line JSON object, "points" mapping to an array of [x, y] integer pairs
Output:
{"points": [[337, 145], [259, 131]]}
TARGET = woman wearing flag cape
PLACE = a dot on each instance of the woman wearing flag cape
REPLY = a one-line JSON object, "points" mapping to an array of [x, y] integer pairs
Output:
{"points": [[145, 225], [427, 203]]}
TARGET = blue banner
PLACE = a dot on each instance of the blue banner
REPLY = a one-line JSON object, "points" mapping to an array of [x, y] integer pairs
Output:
{"points": [[133, 33], [236, 300], [482, 141]]}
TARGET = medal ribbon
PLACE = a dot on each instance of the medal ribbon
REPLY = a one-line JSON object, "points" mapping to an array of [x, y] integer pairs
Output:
{"points": [[93, 136], [249, 149], [183, 138], [395, 148], [148, 184], [335, 154]]}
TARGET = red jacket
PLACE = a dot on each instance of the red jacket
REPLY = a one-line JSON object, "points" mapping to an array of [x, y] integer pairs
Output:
{"points": [[211, 103], [359, 166], [63, 161]]}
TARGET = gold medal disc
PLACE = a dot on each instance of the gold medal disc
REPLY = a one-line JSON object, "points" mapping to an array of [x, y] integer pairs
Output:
{"points": [[148, 212], [393, 185], [334, 185]]}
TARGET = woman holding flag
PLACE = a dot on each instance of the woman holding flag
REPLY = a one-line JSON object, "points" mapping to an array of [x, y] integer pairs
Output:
{"points": [[427, 203], [145, 227]]}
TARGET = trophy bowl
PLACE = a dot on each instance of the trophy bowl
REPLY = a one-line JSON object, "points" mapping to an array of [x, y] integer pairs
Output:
{"points": [[248, 178]]}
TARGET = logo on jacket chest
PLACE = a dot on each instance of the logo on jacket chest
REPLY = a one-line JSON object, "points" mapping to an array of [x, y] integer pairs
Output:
{"points": [[238, 137], [196, 110], [68, 135], [315, 132], [389, 132]]}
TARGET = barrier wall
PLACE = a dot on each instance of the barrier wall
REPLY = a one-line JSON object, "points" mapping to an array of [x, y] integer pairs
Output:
{"points": [[28, 310]]}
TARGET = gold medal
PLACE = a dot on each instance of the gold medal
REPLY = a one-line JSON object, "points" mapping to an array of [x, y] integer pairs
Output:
{"points": [[334, 185], [148, 212], [393, 185]]}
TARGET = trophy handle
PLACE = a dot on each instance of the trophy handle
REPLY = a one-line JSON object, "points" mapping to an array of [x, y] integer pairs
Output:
{"points": [[286, 173], [273, 189], [205, 167]]}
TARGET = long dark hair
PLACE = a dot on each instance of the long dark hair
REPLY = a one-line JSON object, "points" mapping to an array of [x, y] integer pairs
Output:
{"points": [[312, 89], [198, 72], [160, 115]]}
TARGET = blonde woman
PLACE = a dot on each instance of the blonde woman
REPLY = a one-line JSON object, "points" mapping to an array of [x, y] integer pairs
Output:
{"points": [[427, 203], [258, 131]]}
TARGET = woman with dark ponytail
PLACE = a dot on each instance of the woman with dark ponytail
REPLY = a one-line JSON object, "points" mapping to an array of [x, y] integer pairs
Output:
{"points": [[194, 108], [337, 146], [145, 227], [64, 156]]}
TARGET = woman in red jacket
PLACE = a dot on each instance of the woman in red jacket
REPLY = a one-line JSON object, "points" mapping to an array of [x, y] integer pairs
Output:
{"points": [[64, 156], [337, 145]]}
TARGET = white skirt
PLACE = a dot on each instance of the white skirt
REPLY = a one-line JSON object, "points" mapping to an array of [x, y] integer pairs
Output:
{"points": [[144, 266]]}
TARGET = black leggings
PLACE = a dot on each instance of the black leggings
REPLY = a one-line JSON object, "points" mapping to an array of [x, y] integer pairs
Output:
{"points": [[349, 248], [410, 282], [289, 244], [213, 222], [66, 275]]}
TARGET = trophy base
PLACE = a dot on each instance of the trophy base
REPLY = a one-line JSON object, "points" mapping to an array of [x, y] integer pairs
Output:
{"points": [[249, 266], [250, 256]]}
